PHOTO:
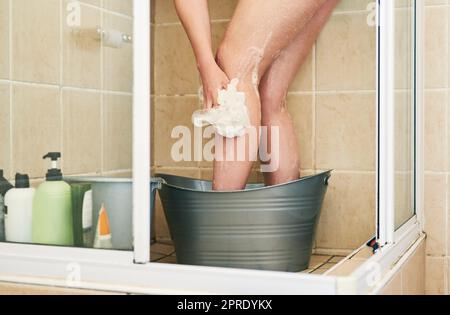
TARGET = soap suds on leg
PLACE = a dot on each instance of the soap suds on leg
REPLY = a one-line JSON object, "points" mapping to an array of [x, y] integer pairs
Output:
{"points": [[231, 118]]}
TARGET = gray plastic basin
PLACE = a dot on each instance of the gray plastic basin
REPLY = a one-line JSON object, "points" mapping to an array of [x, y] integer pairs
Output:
{"points": [[116, 195], [264, 228]]}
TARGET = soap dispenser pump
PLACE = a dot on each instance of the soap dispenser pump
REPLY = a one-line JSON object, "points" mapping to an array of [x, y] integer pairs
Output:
{"points": [[52, 208], [54, 174], [5, 186]]}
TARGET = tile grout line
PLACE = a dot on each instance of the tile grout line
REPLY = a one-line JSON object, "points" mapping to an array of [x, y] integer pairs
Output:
{"points": [[61, 75], [63, 87], [225, 20], [103, 9], [102, 98], [299, 93], [11, 107], [446, 271], [447, 206], [114, 172], [314, 115], [314, 104]]}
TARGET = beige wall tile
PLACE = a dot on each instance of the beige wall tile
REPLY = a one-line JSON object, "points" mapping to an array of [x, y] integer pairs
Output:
{"points": [[403, 155], [161, 226], [118, 62], [220, 9], [345, 131], [346, 54], [353, 5], [4, 39], [403, 3], [301, 109], [218, 30], [403, 131], [436, 154], [404, 46], [175, 66], [348, 213], [404, 197], [435, 2], [394, 287], [410, 279], [448, 137], [192, 172], [413, 273], [96, 3], [4, 129], [164, 12], [35, 40], [152, 12], [36, 128], [82, 54], [119, 6], [448, 214], [304, 80], [171, 112], [435, 208], [82, 130], [435, 275], [448, 274], [436, 53], [152, 59], [117, 138]]}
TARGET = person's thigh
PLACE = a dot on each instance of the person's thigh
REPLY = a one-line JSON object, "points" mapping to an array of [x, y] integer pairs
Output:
{"points": [[273, 89], [277, 79], [259, 31]]}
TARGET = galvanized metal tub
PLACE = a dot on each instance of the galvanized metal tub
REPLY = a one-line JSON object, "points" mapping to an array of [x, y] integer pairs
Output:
{"points": [[264, 228]]}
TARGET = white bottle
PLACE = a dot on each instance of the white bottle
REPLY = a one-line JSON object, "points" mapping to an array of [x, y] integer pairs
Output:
{"points": [[19, 211]]}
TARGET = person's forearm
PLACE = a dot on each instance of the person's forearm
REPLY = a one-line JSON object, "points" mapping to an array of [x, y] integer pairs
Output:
{"points": [[194, 16]]}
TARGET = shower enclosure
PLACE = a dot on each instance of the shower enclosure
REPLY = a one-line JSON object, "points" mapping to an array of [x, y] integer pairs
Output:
{"points": [[359, 97], [399, 155]]}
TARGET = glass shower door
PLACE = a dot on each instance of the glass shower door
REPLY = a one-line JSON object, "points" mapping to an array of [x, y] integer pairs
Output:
{"points": [[66, 86], [405, 92], [397, 91]]}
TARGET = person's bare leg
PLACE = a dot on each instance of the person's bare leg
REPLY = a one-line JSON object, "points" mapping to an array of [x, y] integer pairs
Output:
{"points": [[258, 32], [273, 90]]}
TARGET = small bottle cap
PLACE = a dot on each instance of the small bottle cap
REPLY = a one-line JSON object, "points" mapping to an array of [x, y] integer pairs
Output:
{"points": [[22, 181]]}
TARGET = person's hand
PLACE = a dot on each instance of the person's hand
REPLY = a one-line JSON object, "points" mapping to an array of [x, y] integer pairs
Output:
{"points": [[213, 79]]}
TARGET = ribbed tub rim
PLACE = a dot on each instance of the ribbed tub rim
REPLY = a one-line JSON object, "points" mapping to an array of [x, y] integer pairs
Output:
{"points": [[159, 177]]}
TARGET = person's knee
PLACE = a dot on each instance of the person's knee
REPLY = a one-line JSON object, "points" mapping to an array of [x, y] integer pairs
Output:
{"points": [[273, 100], [239, 62]]}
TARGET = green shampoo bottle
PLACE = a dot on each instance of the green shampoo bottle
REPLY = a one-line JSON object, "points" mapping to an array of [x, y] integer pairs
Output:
{"points": [[52, 208]]}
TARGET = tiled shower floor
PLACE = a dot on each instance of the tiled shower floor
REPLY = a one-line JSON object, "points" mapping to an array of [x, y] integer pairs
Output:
{"points": [[162, 252]]}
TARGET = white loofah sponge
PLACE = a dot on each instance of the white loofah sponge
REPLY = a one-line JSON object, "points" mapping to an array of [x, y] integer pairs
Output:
{"points": [[230, 119]]}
